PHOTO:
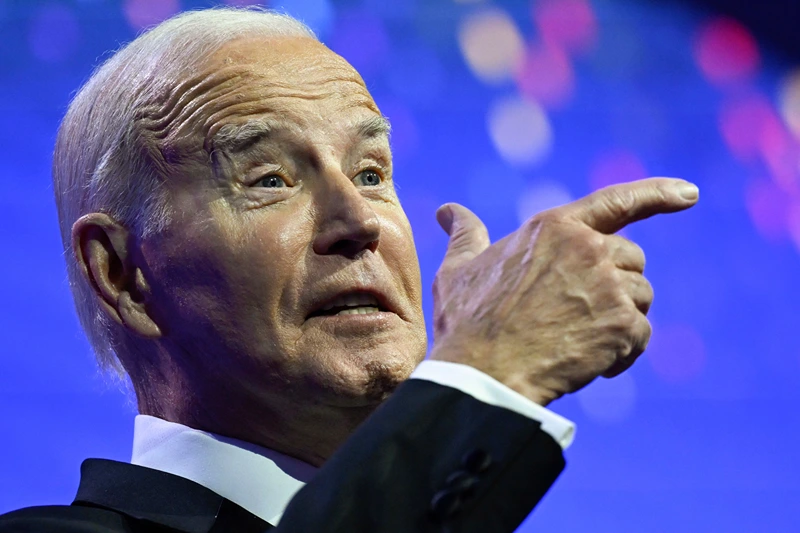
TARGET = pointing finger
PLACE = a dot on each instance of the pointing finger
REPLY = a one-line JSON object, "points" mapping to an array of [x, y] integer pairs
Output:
{"points": [[612, 208]]}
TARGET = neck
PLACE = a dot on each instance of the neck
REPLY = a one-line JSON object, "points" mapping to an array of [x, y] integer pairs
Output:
{"points": [[274, 419]]}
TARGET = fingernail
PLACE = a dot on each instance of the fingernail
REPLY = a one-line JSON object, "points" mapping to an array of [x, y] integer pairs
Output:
{"points": [[444, 215], [688, 191]]}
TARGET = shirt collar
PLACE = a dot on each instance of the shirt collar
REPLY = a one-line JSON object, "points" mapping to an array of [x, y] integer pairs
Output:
{"points": [[258, 479]]}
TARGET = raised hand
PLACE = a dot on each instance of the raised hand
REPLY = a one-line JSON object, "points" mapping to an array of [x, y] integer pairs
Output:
{"points": [[558, 302]]}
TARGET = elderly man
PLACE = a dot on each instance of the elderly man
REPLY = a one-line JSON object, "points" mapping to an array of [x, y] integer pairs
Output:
{"points": [[235, 245]]}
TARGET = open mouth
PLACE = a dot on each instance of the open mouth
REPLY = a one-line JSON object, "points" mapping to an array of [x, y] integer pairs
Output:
{"points": [[357, 303]]}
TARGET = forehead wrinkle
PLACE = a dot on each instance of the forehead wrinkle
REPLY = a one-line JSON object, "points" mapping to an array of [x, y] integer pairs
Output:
{"points": [[236, 137], [183, 98], [219, 133]]}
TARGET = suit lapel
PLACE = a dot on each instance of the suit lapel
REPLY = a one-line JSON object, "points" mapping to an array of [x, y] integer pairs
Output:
{"points": [[160, 498]]}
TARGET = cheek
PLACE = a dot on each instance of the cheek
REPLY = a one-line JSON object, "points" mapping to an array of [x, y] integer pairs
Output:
{"points": [[400, 253], [267, 260], [232, 274]]}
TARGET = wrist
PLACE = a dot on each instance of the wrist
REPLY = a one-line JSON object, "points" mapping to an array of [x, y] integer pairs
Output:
{"points": [[506, 372]]}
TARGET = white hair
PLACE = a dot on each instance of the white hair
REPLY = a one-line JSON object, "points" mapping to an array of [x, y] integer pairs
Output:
{"points": [[103, 161]]}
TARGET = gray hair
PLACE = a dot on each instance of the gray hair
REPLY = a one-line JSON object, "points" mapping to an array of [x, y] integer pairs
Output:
{"points": [[103, 161]]}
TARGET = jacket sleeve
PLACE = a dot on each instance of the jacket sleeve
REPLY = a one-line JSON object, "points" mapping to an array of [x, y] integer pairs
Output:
{"points": [[431, 458]]}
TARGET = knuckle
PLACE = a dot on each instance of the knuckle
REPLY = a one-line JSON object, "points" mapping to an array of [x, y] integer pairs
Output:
{"points": [[627, 316], [620, 200], [593, 245], [648, 288], [647, 332], [546, 220]]}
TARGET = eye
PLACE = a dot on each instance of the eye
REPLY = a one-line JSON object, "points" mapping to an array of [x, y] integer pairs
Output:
{"points": [[271, 181], [368, 178]]}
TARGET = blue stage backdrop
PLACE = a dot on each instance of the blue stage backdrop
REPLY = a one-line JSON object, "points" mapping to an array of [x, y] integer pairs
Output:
{"points": [[509, 108]]}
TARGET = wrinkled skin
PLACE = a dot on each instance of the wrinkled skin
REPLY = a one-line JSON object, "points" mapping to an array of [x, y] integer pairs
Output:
{"points": [[265, 231], [260, 235], [560, 301]]}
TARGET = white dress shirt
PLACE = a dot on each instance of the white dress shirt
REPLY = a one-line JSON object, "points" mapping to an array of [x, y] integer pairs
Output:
{"points": [[263, 481]]}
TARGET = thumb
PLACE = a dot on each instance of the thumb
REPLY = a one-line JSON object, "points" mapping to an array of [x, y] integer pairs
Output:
{"points": [[468, 234]]}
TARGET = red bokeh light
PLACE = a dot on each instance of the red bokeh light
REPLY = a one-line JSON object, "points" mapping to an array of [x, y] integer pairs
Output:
{"points": [[546, 76], [752, 129], [726, 51], [567, 24], [780, 152]]}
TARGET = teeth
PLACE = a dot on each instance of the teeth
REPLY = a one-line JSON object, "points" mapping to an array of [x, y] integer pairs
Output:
{"points": [[353, 300], [359, 311]]}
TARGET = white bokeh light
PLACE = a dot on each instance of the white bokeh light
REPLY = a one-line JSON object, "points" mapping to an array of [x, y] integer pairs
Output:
{"points": [[789, 102], [491, 44], [520, 131]]}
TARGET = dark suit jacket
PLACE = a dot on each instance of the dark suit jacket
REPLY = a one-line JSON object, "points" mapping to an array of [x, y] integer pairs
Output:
{"points": [[430, 459]]}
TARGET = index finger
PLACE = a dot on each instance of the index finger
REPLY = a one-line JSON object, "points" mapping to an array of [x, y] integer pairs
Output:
{"points": [[610, 209]]}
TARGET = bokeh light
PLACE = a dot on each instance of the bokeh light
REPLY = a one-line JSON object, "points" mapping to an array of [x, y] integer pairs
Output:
{"points": [[567, 24], [741, 122], [616, 166], [768, 207], [780, 153], [793, 223], [726, 52], [541, 196], [789, 101], [546, 75], [491, 44], [510, 108], [676, 352], [609, 401], [142, 14], [520, 131], [54, 33]]}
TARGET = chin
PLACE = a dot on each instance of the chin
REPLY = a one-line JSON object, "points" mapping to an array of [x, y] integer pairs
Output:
{"points": [[366, 378]]}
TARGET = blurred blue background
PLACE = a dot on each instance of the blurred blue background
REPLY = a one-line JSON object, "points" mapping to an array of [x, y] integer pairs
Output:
{"points": [[508, 108]]}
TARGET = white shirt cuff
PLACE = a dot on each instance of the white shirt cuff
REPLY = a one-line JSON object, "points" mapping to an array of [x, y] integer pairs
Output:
{"points": [[482, 387]]}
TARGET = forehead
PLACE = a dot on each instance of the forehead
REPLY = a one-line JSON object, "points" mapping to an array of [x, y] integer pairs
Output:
{"points": [[298, 81]]}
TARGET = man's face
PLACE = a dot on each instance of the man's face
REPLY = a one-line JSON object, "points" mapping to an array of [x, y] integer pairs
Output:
{"points": [[289, 269]]}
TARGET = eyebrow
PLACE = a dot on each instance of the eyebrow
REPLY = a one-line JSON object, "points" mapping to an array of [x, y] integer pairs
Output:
{"points": [[240, 137]]}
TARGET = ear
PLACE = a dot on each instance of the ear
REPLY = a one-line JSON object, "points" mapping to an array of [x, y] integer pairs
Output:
{"points": [[102, 248]]}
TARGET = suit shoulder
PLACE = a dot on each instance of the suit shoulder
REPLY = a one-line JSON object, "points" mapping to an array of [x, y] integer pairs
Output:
{"points": [[62, 519]]}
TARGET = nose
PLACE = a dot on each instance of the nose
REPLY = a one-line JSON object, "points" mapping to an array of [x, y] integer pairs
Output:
{"points": [[348, 225]]}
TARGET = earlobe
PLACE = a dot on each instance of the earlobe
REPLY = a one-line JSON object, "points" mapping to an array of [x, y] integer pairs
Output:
{"points": [[101, 248], [135, 318]]}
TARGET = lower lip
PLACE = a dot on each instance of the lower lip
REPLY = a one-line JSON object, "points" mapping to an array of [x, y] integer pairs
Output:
{"points": [[356, 322]]}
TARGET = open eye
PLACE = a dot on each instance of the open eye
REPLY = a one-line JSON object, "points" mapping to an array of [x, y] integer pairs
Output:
{"points": [[271, 181], [367, 178]]}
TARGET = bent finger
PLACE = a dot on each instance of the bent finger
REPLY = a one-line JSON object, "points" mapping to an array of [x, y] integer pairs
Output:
{"points": [[640, 337], [627, 254], [639, 289]]}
